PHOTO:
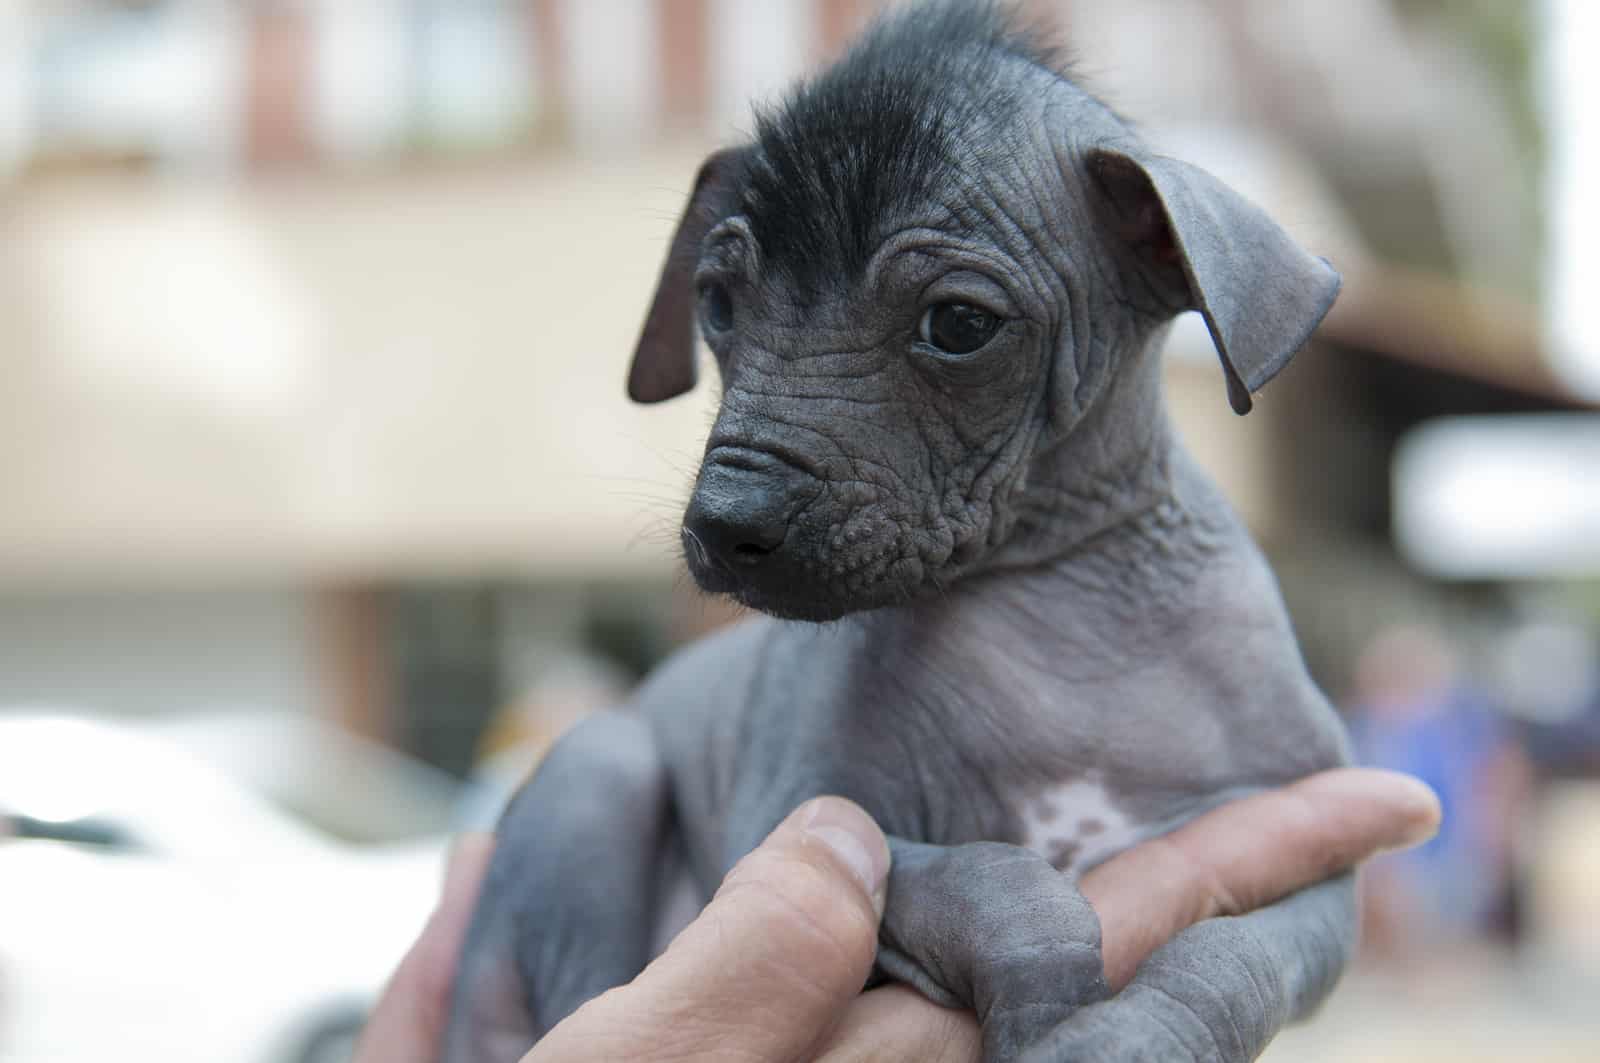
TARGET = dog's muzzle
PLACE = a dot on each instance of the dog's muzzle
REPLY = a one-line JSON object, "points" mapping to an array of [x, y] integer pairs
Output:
{"points": [[740, 515]]}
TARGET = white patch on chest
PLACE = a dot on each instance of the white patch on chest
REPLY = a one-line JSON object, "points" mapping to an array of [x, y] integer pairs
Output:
{"points": [[1075, 825]]}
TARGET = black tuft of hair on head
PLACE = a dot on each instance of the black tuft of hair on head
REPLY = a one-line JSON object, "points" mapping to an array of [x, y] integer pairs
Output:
{"points": [[873, 132]]}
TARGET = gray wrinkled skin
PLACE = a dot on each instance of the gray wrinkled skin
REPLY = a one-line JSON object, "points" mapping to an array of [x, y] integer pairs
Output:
{"points": [[1046, 635]]}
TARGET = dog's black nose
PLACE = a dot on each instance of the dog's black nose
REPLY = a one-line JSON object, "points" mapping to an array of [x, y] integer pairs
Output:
{"points": [[736, 539], [740, 512]]}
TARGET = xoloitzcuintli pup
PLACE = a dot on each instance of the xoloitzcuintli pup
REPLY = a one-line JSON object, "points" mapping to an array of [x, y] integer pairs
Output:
{"points": [[1005, 611]]}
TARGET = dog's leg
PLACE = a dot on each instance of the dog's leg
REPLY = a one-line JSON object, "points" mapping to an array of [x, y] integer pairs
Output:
{"points": [[1220, 990], [567, 909], [995, 928]]}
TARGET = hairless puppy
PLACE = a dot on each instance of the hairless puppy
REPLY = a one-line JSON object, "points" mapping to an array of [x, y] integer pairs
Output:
{"points": [[1006, 613]]}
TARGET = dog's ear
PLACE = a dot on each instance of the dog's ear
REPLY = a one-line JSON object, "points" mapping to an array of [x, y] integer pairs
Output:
{"points": [[1261, 295], [664, 361]]}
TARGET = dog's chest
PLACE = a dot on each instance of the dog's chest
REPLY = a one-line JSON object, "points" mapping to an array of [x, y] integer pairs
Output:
{"points": [[952, 735]]}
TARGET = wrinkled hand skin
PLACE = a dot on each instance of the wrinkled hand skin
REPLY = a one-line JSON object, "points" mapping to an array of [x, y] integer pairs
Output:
{"points": [[1005, 612]]}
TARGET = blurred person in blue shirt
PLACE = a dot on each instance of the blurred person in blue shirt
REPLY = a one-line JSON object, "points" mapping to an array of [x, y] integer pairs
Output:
{"points": [[1416, 711]]}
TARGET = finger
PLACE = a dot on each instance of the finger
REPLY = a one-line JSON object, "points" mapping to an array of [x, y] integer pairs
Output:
{"points": [[896, 1024], [1249, 853], [408, 1020], [767, 968]]}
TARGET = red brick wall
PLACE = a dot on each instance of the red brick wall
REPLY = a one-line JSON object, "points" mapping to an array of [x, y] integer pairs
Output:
{"points": [[685, 61], [277, 120]]}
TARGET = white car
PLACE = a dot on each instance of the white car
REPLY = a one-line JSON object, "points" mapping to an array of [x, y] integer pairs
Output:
{"points": [[153, 909]]}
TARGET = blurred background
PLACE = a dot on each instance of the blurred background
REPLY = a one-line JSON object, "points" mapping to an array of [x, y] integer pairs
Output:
{"points": [[322, 510]]}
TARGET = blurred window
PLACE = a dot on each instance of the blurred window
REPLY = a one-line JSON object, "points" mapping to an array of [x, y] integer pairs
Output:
{"points": [[135, 81]]}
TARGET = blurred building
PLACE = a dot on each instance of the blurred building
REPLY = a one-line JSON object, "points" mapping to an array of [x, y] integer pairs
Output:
{"points": [[316, 313], [314, 316]]}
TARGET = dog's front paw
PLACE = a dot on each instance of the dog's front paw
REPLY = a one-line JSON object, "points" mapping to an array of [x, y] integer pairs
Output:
{"points": [[992, 927], [1136, 1026]]}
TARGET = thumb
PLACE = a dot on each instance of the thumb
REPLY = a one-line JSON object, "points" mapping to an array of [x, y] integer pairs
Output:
{"points": [[767, 968]]}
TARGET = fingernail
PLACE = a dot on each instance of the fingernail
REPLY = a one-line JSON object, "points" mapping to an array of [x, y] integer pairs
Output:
{"points": [[854, 838], [1426, 815]]}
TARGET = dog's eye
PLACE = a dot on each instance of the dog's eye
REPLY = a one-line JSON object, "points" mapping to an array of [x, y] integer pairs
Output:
{"points": [[957, 328], [716, 307]]}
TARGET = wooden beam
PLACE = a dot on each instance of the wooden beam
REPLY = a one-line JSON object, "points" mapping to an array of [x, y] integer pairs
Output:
{"points": [[355, 665], [685, 43]]}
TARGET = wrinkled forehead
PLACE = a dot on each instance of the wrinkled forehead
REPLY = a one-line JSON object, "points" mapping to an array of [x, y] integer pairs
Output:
{"points": [[863, 151]]}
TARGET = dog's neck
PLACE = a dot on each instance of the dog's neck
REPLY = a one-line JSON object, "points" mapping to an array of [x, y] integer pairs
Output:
{"points": [[1117, 531], [1115, 487]]}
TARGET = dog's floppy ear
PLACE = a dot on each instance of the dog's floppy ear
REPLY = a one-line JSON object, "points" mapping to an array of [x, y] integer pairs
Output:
{"points": [[1261, 295], [664, 361]]}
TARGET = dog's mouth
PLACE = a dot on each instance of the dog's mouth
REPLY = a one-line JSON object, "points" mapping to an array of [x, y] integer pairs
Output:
{"points": [[802, 579], [752, 576], [770, 593], [768, 533]]}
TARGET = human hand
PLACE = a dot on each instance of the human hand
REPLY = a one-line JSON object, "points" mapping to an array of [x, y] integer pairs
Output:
{"points": [[1236, 858], [773, 967], [409, 1019], [762, 973]]}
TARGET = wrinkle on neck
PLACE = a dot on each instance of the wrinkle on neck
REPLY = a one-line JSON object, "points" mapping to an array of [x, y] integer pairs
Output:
{"points": [[1110, 467]]}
